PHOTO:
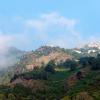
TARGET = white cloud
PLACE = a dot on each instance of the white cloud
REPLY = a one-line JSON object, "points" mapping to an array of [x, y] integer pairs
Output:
{"points": [[49, 28], [4, 43], [4, 40], [62, 29], [50, 19]]}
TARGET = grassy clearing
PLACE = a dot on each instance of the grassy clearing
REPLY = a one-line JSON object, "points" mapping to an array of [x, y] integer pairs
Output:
{"points": [[62, 69], [59, 75]]}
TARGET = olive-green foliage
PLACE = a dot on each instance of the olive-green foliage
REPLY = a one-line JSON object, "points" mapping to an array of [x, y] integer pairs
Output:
{"points": [[21, 90], [36, 74], [2, 96], [11, 97]]}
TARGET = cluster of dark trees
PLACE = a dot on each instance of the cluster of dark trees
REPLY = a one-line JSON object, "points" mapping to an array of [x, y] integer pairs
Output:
{"points": [[50, 67], [72, 64], [93, 62], [31, 75], [37, 73]]}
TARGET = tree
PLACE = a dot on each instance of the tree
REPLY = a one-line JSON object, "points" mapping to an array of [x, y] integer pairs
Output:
{"points": [[84, 61], [50, 67], [94, 62], [71, 64], [79, 75]]}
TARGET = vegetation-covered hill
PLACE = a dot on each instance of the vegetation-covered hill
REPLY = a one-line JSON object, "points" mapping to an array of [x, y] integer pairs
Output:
{"points": [[59, 86], [65, 75]]}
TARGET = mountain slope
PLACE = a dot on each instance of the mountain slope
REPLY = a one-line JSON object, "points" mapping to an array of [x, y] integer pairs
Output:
{"points": [[18, 61], [81, 83]]}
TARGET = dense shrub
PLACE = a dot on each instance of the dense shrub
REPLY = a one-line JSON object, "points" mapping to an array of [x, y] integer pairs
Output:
{"points": [[50, 67], [70, 64]]}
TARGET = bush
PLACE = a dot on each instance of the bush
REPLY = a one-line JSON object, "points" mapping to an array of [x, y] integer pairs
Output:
{"points": [[50, 67], [71, 64]]}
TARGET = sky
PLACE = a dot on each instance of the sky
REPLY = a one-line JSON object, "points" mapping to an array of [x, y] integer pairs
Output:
{"points": [[29, 24]]}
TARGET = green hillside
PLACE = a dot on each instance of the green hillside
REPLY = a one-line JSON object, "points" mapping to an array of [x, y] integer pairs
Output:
{"points": [[72, 79]]}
